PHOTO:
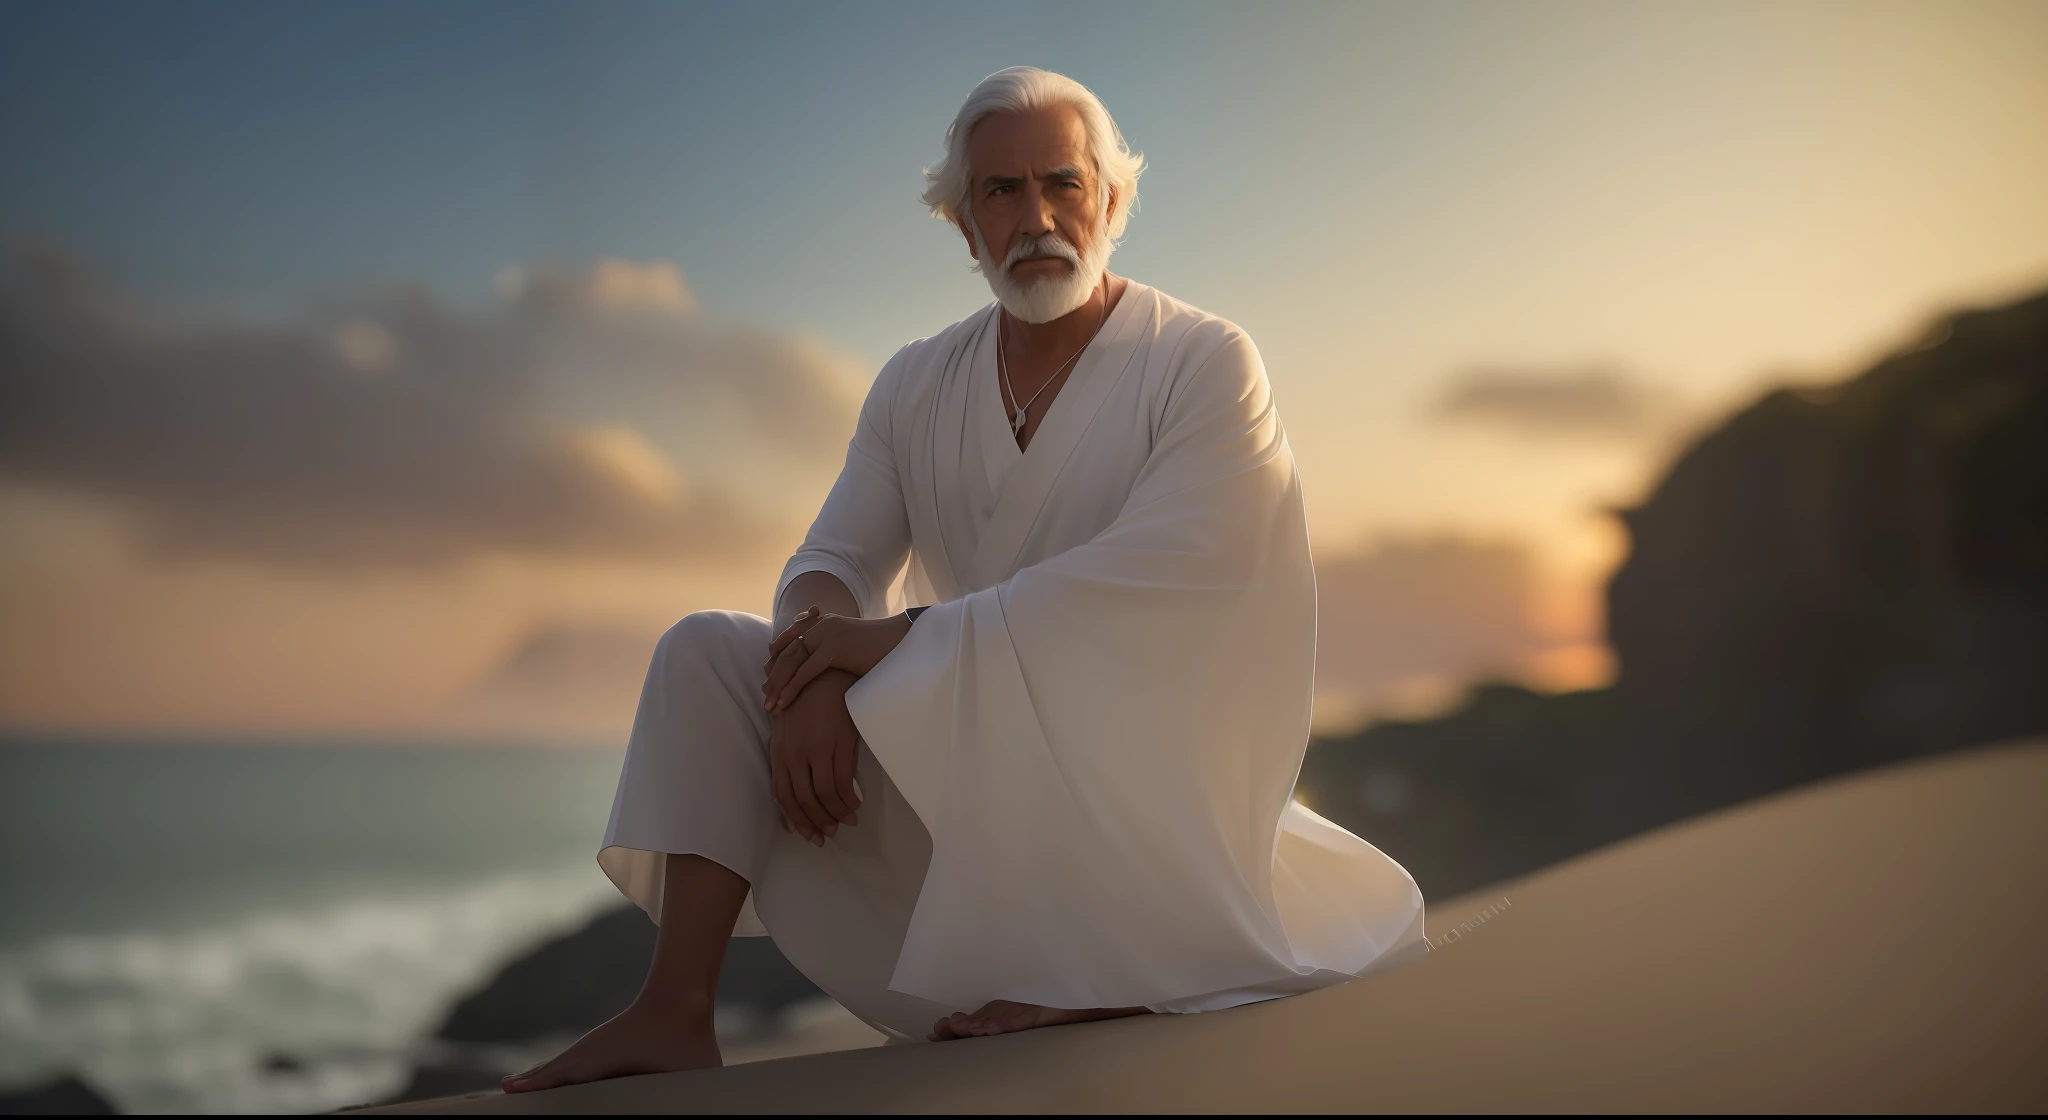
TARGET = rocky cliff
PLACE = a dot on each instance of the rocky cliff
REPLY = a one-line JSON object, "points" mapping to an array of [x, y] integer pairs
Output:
{"points": [[1837, 579], [1830, 580]]}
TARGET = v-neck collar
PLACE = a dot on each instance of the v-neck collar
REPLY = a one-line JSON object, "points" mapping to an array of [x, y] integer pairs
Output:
{"points": [[1024, 476], [994, 418]]}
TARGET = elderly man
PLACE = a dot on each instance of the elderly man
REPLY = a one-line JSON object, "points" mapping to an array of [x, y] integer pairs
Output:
{"points": [[1057, 787]]}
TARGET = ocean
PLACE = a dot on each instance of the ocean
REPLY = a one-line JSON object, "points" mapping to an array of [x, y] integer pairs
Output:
{"points": [[272, 927]]}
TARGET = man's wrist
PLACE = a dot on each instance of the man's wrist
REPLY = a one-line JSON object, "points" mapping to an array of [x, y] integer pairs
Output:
{"points": [[833, 682]]}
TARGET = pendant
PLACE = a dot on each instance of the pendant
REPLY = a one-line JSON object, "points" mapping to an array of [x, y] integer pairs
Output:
{"points": [[1017, 425]]}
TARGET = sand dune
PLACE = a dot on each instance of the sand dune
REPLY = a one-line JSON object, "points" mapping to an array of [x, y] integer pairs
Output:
{"points": [[1874, 943]]}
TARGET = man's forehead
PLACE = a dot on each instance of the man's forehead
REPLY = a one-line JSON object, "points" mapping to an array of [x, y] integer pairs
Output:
{"points": [[1028, 142]]}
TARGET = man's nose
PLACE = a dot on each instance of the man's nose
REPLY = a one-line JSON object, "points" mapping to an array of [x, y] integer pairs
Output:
{"points": [[1037, 216]]}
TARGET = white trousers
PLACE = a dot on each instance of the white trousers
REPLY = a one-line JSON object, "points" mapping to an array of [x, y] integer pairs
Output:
{"points": [[696, 782]]}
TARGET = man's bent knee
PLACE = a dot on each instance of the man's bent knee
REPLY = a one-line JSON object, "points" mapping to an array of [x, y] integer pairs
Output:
{"points": [[701, 635]]}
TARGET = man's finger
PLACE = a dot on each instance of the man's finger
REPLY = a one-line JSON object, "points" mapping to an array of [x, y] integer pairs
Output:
{"points": [[778, 792], [783, 684], [805, 673], [779, 676], [776, 786], [843, 762], [823, 781], [807, 801], [797, 626], [785, 800]]}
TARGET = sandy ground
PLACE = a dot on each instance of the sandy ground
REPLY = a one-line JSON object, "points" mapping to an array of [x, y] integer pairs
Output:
{"points": [[817, 1027], [1873, 944]]}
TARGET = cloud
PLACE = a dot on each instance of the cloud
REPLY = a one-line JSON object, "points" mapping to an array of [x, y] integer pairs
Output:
{"points": [[582, 678], [1593, 402], [591, 413], [1403, 625], [610, 284]]}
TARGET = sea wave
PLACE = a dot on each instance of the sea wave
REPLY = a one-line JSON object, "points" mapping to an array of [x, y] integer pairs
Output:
{"points": [[291, 1011]]}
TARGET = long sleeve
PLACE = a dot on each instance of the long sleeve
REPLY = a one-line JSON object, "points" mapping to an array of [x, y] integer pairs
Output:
{"points": [[1104, 744], [1210, 535], [862, 532]]}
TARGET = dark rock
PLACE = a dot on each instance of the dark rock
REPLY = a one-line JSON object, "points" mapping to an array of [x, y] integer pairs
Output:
{"points": [[569, 984], [574, 982], [579, 980], [1840, 579], [1831, 580], [1495, 789], [66, 1096]]}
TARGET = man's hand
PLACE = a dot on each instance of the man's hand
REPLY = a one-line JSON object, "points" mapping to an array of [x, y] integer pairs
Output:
{"points": [[816, 642], [811, 759]]}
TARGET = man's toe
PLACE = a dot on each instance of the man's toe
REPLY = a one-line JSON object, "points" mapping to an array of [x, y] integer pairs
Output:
{"points": [[539, 1079]]}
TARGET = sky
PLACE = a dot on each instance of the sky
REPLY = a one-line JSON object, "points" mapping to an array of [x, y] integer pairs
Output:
{"points": [[383, 368]]}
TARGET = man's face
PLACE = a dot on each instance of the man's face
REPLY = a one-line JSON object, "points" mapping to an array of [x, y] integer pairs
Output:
{"points": [[1030, 174]]}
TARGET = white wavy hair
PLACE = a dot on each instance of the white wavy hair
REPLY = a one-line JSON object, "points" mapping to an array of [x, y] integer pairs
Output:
{"points": [[1027, 87]]}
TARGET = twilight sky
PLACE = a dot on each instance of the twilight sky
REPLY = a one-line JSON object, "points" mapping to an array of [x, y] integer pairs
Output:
{"points": [[398, 367]]}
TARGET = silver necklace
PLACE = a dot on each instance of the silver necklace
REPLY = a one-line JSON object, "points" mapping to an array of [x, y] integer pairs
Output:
{"points": [[1003, 368]]}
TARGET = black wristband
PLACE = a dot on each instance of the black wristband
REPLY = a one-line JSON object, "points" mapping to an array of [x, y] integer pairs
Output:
{"points": [[913, 612]]}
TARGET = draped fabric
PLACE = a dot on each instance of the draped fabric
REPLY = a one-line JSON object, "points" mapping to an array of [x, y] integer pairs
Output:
{"points": [[1101, 716]]}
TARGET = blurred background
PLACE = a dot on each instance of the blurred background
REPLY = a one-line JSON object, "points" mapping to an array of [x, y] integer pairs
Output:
{"points": [[1669, 384]]}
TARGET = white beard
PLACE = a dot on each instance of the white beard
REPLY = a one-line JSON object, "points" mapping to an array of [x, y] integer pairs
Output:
{"points": [[1044, 300]]}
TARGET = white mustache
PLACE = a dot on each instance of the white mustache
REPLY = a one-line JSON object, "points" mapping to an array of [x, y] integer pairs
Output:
{"points": [[1044, 245]]}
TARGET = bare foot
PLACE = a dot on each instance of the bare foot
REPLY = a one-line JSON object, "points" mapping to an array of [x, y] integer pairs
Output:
{"points": [[644, 1038], [1003, 1017]]}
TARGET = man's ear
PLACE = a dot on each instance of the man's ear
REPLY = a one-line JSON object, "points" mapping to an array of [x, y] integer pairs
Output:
{"points": [[961, 225]]}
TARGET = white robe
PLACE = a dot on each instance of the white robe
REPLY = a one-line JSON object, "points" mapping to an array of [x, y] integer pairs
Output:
{"points": [[1101, 718]]}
